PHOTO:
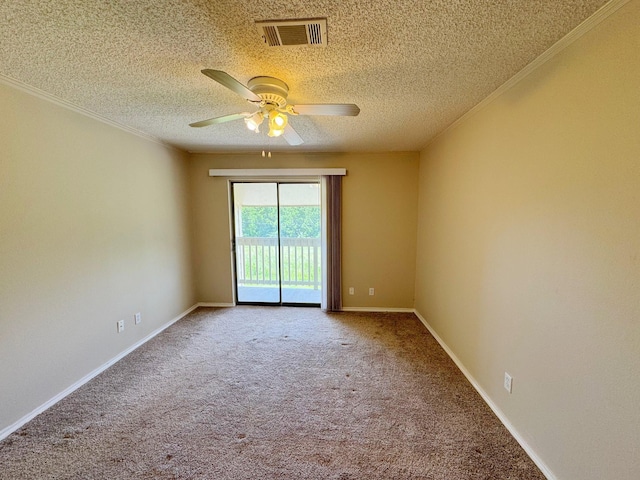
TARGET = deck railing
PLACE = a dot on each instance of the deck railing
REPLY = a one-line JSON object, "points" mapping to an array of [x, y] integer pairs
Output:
{"points": [[257, 262]]}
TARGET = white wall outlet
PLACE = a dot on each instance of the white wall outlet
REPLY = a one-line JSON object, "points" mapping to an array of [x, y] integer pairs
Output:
{"points": [[371, 291], [508, 381], [120, 326], [352, 290], [137, 318]]}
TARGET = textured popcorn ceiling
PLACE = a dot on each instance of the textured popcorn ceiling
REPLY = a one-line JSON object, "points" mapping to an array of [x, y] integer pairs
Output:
{"points": [[413, 67]]}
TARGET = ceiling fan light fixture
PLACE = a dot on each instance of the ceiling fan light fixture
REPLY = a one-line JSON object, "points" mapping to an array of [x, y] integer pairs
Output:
{"points": [[277, 122], [274, 132], [254, 121], [277, 119]]}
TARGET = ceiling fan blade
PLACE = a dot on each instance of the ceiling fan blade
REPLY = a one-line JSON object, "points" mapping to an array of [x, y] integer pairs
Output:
{"points": [[232, 84], [343, 109], [291, 136], [225, 118]]}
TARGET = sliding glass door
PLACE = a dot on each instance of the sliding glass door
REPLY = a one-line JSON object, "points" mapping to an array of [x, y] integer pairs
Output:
{"points": [[277, 243]]}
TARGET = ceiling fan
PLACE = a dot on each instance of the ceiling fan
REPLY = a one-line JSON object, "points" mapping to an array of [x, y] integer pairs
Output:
{"points": [[269, 96]]}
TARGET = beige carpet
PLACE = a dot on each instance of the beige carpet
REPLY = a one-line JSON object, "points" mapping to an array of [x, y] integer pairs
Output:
{"points": [[271, 393]]}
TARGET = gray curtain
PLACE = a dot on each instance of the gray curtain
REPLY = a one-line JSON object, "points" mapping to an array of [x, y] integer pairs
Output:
{"points": [[334, 235]]}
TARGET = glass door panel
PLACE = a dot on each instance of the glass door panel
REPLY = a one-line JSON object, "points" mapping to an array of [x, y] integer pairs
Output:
{"points": [[257, 259], [299, 215]]}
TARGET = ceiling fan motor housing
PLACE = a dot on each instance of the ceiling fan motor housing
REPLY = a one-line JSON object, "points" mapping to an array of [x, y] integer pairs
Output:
{"points": [[270, 90]]}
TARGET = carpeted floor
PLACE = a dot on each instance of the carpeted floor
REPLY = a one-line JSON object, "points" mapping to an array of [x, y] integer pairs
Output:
{"points": [[273, 393]]}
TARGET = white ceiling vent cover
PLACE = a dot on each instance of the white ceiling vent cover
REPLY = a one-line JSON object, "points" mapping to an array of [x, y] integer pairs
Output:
{"points": [[291, 33]]}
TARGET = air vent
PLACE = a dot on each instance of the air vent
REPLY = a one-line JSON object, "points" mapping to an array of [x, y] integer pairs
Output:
{"points": [[292, 33]]}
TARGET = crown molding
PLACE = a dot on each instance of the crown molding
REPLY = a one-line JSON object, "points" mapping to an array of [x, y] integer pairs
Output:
{"points": [[36, 92], [598, 17]]}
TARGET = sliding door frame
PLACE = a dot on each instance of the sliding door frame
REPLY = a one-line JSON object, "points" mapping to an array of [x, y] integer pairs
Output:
{"points": [[277, 182]]}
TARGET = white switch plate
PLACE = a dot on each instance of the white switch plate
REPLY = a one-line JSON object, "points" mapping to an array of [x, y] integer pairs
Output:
{"points": [[352, 290], [137, 318], [120, 326], [371, 291], [507, 382]]}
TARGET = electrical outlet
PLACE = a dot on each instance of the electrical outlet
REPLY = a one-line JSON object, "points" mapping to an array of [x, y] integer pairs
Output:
{"points": [[371, 291], [508, 381], [352, 290], [137, 318], [120, 326]]}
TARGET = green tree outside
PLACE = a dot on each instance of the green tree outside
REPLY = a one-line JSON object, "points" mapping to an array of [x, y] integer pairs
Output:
{"points": [[260, 262], [295, 222]]}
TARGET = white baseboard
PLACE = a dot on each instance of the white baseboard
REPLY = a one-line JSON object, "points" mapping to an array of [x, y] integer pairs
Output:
{"points": [[344, 309], [216, 305], [378, 309], [501, 416], [48, 404]]}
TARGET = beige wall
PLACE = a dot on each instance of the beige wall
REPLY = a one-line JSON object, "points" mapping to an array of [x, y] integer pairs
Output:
{"points": [[93, 228], [528, 246], [379, 223], [529, 251]]}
